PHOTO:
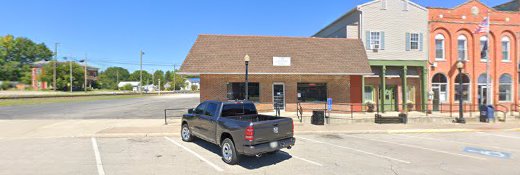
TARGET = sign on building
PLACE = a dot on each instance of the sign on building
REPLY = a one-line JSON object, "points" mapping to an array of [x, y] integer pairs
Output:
{"points": [[281, 61]]}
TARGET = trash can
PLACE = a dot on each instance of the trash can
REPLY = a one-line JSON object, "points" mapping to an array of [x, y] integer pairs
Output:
{"points": [[318, 117], [487, 113]]}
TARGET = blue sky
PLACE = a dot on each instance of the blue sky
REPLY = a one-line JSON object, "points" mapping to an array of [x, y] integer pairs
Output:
{"points": [[111, 32]]}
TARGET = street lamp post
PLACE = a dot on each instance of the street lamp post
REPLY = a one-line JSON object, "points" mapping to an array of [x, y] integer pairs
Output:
{"points": [[461, 119], [246, 59]]}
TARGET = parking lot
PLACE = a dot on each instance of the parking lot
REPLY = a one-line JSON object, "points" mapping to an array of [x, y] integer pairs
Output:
{"points": [[426, 153]]}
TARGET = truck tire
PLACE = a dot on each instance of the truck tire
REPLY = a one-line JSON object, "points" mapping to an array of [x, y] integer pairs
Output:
{"points": [[229, 153], [186, 133]]}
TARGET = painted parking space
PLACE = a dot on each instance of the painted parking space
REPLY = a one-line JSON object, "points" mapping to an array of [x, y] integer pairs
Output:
{"points": [[145, 155]]}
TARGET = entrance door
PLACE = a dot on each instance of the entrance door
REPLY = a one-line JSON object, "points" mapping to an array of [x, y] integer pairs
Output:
{"points": [[482, 95], [436, 98], [390, 99], [279, 96]]}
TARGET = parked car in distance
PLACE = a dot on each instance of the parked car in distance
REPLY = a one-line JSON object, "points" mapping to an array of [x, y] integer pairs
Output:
{"points": [[238, 129]]}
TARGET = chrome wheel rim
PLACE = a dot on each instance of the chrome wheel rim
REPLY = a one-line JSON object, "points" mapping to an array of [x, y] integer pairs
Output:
{"points": [[226, 151], [185, 133]]}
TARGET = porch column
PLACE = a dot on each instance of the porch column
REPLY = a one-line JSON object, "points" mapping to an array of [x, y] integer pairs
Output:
{"points": [[424, 88], [382, 88], [404, 81]]}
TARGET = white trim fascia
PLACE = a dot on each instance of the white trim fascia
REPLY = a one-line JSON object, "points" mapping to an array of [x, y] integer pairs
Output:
{"points": [[241, 73]]}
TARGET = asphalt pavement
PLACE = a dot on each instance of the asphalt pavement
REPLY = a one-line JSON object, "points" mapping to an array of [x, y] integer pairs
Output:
{"points": [[146, 107], [426, 153]]}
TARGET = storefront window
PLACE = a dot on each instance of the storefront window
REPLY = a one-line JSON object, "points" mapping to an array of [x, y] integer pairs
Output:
{"points": [[369, 93], [465, 88], [410, 94], [505, 87], [312, 92], [236, 91]]}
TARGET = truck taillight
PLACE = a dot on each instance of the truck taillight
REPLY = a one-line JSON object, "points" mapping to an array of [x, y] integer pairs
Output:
{"points": [[250, 132], [293, 127]]}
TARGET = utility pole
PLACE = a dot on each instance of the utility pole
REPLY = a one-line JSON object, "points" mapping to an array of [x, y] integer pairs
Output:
{"points": [[70, 64], [153, 78], [54, 66], [85, 83], [159, 81], [174, 77], [117, 79], [141, 73]]}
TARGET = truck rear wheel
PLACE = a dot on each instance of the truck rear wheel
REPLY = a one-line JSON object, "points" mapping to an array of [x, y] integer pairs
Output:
{"points": [[229, 153], [186, 133]]}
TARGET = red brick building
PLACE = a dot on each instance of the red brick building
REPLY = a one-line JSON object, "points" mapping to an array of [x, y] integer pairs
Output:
{"points": [[453, 39], [307, 70], [37, 70]]}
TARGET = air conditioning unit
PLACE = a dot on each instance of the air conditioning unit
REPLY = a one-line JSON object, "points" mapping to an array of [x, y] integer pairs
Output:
{"points": [[375, 48]]}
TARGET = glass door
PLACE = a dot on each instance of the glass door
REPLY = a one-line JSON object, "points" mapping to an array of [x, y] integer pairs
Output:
{"points": [[279, 96]]}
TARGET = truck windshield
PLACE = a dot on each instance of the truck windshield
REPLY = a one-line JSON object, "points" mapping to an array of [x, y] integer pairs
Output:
{"points": [[230, 110]]}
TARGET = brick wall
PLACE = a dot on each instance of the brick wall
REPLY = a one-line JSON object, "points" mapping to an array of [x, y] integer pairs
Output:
{"points": [[214, 87]]}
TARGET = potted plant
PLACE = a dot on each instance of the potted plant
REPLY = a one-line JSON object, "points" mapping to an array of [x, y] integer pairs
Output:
{"points": [[370, 106], [410, 105]]}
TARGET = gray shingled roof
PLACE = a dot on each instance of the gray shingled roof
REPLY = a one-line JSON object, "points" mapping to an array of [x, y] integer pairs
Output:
{"points": [[224, 54]]}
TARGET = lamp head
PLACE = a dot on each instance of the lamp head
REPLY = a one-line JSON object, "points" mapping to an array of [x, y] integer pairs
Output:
{"points": [[460, 65], [246, 58]]}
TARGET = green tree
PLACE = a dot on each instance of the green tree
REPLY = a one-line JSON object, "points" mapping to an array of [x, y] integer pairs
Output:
{"points": [[108, 79], [63, 75], [16, 55], [159, 75], [147, 77]]}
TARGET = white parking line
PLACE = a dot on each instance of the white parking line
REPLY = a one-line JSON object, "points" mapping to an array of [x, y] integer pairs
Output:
{"points": [[418, 147], [356, 150], [99, 164], [195, 154], [308, 161], [499, 135], [459, 142]]}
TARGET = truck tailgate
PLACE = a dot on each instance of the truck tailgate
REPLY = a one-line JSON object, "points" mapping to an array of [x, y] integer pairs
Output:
{"points": [[272, 130]]}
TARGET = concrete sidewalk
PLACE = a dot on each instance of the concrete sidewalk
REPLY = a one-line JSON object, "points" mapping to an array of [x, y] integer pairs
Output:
{"points": [[16, 129]]}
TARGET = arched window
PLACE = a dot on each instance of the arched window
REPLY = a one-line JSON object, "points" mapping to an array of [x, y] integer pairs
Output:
{"points": [[440, 87], [483, 48], [439, 47], [465, 88], [462, 47], [505, 86], [506, 49]]}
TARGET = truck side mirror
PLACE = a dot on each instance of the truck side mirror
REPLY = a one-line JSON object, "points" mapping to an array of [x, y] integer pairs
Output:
{"points": [[190, 111]]}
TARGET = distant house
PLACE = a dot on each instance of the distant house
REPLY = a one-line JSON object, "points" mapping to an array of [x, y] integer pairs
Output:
{"points": [[134, 84], [37, 71], [192, 82]]}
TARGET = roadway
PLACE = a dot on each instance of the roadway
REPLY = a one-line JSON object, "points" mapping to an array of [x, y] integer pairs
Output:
{"points": [[146, 107]]}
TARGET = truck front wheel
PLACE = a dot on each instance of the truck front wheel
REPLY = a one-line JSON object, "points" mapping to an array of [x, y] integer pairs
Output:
{"points": [[186, 133], [229, 153]]}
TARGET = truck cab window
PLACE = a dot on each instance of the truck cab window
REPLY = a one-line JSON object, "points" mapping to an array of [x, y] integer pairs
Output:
{"points": [[211, 110], [200, 108], [230, 110]]}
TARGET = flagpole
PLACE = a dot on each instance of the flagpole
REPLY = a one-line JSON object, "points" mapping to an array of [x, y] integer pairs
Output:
{"points": [[489, 88]]}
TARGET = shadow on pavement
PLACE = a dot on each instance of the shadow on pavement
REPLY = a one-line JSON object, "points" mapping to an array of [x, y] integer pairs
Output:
{"points": [[249, 162]]}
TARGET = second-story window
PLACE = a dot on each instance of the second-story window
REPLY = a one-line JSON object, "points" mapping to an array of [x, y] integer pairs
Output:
{"points": [[505, 49], [375, 40], [483, 48], [439, 47], [414, 41], [462, 47]]}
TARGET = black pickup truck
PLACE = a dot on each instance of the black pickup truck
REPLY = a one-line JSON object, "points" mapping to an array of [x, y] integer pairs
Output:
{"points": [[238, 129]]}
